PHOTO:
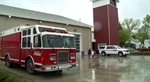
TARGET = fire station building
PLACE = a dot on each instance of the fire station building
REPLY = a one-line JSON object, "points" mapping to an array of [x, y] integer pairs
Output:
{"points": [[11, 17]]}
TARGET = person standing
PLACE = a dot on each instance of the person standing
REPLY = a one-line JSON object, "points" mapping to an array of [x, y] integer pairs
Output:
{"points": [[89, 53]]}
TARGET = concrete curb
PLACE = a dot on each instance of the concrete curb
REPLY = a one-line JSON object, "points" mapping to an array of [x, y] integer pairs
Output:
{"points": [[140, 53]]}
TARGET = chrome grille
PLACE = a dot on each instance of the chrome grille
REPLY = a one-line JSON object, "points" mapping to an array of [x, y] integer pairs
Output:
{"points": [[62, 57]]}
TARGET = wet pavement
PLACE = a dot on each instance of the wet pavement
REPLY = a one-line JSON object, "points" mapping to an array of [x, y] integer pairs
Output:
{"points": [[116, 69], [98, 69]]}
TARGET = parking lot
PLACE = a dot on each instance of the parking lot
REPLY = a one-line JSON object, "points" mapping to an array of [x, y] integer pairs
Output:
{"points": [[98, 69]]}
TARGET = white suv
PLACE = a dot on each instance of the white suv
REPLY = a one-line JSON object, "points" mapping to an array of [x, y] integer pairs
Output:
{"points": [[113, 49]]}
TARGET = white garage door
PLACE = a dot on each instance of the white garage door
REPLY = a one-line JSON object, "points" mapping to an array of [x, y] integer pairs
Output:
{"points": [[78, 42]]}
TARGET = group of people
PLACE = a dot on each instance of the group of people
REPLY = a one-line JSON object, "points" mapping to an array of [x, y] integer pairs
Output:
{"points": [[90, 54]]}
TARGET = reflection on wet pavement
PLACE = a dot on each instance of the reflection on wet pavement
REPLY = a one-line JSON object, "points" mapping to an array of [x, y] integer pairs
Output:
{"points": [[115, 69], [138, 70]]}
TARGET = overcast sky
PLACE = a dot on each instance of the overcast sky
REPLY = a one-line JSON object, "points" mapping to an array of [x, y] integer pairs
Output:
{"points": [[81, 10], [136, 9]]}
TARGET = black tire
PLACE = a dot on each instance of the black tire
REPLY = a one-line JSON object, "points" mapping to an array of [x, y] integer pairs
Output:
{"points": [[125, 55], [120, 54], [97, 52], [30, 67], [8, 63], [60, 71], [103, 54], [108, 54]]}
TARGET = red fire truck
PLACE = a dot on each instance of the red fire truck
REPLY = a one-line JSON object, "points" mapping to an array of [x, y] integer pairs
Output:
{"points": [[38, 48]]}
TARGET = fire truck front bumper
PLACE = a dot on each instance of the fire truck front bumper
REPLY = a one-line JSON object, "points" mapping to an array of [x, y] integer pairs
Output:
{"points": [[57, 67]]}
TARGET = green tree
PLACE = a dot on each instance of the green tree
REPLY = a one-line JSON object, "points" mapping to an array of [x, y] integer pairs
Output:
{"points": [[120, 26], [146, 21], [131, 24], [142, 33], [126, 30], [124, 36]]}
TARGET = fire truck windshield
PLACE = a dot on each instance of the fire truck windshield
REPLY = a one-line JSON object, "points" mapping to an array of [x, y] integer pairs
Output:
{"points": [[52, 41], [68, 41], [58, 41]]}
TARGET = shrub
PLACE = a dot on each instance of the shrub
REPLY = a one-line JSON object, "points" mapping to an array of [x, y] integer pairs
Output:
{"points": [[11, 79], [3, 76]]}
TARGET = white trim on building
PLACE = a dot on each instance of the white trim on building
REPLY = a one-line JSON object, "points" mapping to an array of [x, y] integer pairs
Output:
{"points": [[99, 3]]}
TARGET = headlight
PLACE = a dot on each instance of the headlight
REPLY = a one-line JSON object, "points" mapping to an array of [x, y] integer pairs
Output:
{"points": [[52, 56], [72, 56]]}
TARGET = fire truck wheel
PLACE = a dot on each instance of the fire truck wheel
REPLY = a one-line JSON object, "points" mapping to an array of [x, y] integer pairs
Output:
{"points": [[8, 63], [30, 67], [60, 71]]}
